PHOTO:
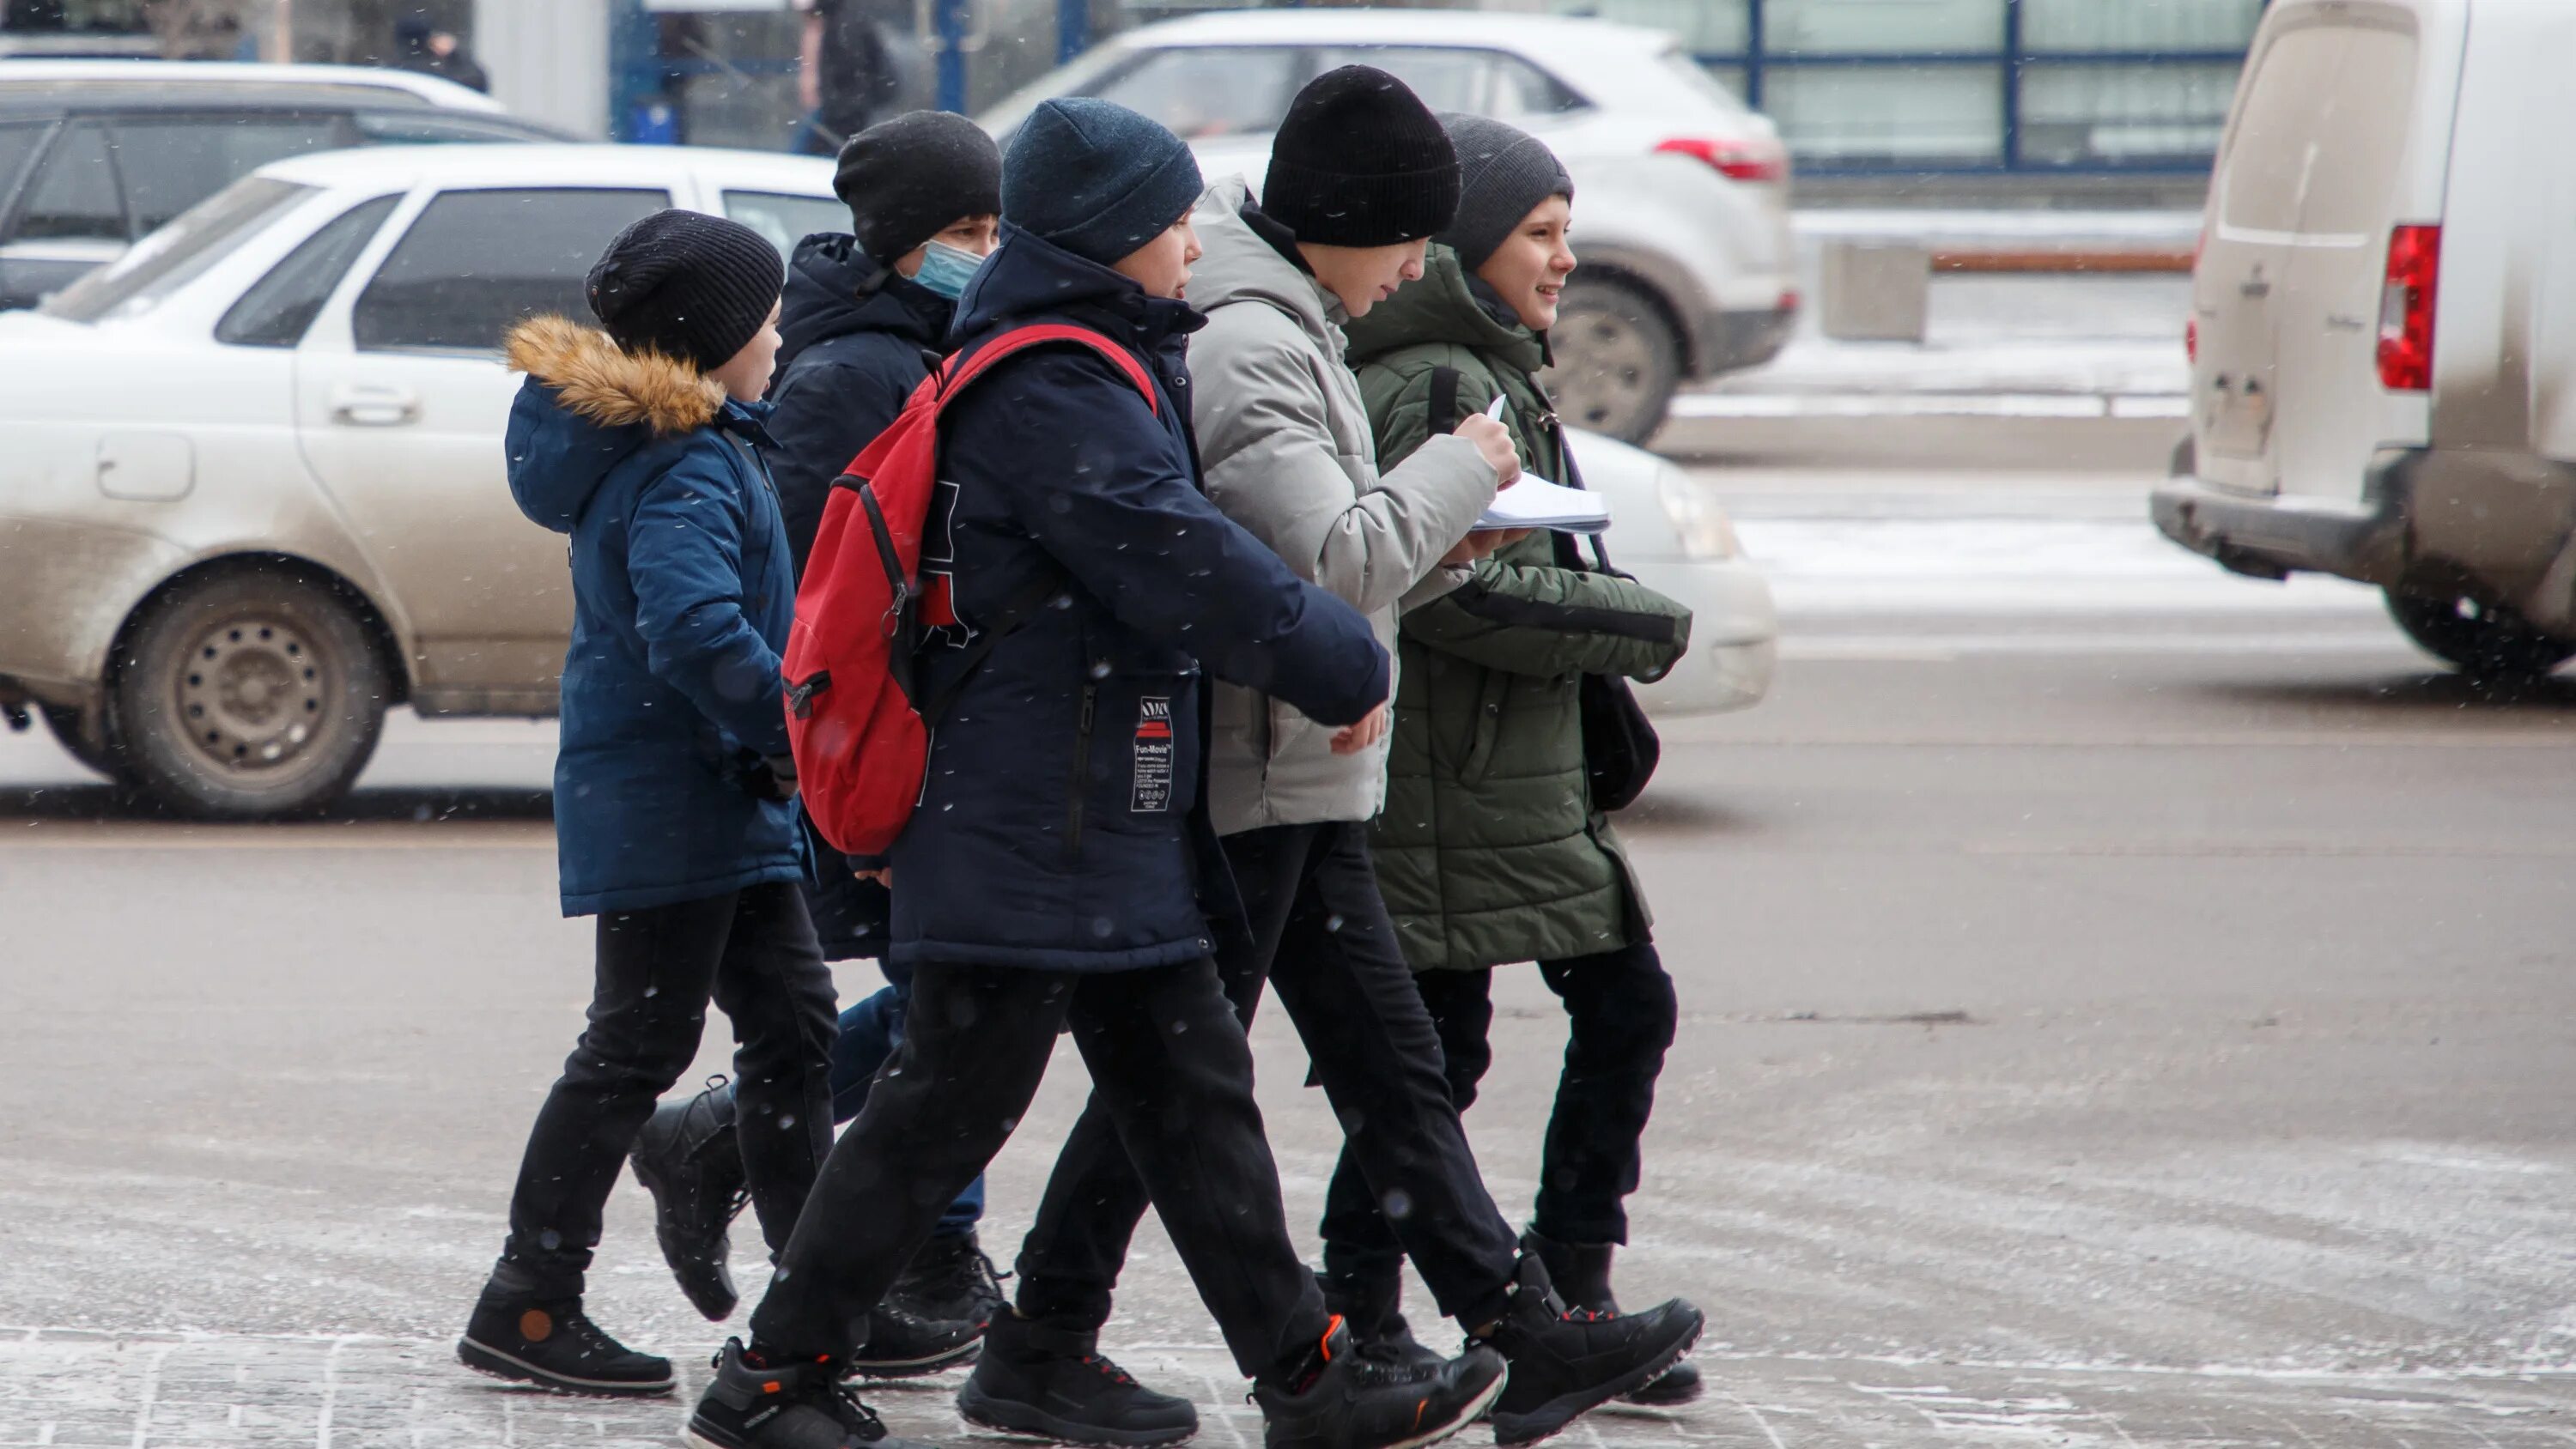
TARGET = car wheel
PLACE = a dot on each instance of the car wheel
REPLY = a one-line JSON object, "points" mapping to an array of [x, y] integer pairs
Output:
{"points": [[2485, 641], [1618, 359], [70, 730], [248, 695]]}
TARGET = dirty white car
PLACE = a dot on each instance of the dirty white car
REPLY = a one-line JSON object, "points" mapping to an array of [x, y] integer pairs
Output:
{"points": [[251, 487]]}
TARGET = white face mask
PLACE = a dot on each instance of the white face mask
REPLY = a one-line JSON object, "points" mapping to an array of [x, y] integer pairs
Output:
{"points": [[946, 269]]}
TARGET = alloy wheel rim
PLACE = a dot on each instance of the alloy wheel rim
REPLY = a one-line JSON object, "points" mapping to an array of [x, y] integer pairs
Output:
{"points": [[1600, 381], [250, 694]]}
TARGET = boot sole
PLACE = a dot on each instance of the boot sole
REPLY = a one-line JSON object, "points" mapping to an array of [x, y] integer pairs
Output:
{"points": [[1550, 1419], [485, 1359], [913, 1368], [706, 1304], [1025, 1421]]}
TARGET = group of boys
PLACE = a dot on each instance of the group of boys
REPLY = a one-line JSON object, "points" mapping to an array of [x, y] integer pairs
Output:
{"points": [[1223, 567]]}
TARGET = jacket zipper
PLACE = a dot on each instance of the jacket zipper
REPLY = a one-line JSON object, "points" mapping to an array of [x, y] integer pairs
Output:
{"points": [[1081, 775]]}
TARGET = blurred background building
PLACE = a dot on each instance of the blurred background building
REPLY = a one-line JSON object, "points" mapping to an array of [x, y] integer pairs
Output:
{"points": [[2073, 91]]}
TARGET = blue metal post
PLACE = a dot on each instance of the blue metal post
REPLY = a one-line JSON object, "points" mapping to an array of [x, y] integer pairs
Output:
{"points": [[1753, 54], [2012, 85], [949, 21], [1072, 29]]}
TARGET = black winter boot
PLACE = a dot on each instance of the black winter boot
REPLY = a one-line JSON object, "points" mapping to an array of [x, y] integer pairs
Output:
{"points": [[1369, 1308], [1569, 1361], [1581, 1272], [902, 1345], [1054, 1383], [784, 1406], [688, 1158], [516, 1333], [950, 1279], [1341, 1398]]}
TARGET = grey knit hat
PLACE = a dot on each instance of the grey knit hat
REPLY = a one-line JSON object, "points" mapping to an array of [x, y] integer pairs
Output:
{"points": [[1507, 172]]}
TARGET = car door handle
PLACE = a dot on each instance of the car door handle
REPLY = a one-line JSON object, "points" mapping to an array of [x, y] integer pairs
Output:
{"points": [[375, 407]]}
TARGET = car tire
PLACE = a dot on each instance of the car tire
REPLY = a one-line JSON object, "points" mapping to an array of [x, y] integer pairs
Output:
{"points": [[248, 695], [71, 731], [1618, 358], [2486, 642]]}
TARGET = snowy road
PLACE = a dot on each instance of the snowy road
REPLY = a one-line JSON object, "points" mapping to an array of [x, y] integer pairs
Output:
{"points": [[2124, 1006]]}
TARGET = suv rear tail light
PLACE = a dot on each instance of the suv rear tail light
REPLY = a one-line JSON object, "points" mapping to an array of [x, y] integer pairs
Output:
{"points": [[2191, 327], [2406, 308], [1742, 160]]}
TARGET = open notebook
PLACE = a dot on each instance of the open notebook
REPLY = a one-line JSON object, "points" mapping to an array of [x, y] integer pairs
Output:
{"points": [[1533, 502]]}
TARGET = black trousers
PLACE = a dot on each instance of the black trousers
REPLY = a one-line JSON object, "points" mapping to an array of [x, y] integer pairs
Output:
{"points": [[1170, 1072], [752, 952], [1314, 907], [1620, 1014]]}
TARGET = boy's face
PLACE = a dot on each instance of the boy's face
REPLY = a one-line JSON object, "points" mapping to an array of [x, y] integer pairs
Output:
{"points": [[1162, 266], [1362, 277], [1529, 269], [977, 234], [745, 375]]}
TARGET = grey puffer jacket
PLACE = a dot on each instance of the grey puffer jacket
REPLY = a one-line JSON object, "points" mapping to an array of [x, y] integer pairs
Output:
{"points": [[1289, 455]]}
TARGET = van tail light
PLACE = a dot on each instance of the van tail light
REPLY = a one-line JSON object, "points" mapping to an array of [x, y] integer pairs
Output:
{"points": [[1742, 160], [2191, 340], [2406, 308]]}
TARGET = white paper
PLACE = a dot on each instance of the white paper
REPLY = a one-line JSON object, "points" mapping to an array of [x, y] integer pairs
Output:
{"points": [[1533, 502]]}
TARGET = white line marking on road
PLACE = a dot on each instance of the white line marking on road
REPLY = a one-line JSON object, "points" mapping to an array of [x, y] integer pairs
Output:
{"points": [[1758, 1421], [1216, 1404], [330, 1393], [150, 1394], [1946, 648], [1747, 405]]}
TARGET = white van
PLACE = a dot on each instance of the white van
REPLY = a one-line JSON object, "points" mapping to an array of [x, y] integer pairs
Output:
{"points": [[2384, 321]]}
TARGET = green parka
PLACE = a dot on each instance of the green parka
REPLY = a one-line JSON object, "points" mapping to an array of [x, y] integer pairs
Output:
{"points": [[1489, 850]]}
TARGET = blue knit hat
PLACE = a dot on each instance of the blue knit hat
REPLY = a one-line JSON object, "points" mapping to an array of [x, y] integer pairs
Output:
{"points": [[1096, 179]]}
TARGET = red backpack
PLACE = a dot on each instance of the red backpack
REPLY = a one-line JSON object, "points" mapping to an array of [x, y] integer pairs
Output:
{"points": [[859, 728]]}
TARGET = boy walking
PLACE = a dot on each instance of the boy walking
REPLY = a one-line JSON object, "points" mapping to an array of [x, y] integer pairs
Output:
{"points": [[1052, 874], [672, 820], [1361, 175], [865, 317]]}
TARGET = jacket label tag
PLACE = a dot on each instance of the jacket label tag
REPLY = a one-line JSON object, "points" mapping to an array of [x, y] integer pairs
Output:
{"points": [[1150, 790]]}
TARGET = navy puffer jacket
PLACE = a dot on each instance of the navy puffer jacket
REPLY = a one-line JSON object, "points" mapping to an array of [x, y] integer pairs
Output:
{"points": [[857, 340], [682, 595], [1063, 824]]}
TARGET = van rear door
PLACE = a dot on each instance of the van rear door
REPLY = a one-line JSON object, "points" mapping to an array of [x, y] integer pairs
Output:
{"points": [[2341, 129]]}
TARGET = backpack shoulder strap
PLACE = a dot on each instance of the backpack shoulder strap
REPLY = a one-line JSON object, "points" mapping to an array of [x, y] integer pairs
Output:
{"points": [[965, 367], [1444, 401]]}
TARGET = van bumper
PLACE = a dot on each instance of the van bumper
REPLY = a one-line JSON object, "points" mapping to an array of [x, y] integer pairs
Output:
{"points": [[2272, 538]]}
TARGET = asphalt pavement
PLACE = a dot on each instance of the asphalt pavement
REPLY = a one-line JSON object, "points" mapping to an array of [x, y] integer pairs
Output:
{"points": [[2123, 1005]]}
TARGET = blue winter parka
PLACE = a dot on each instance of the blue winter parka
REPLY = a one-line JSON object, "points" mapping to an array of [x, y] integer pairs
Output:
{"points": [[859, 338], [682, 595], [1063, 824]]}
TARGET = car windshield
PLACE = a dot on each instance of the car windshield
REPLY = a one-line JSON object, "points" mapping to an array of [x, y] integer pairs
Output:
{"points": [[171, 257]]}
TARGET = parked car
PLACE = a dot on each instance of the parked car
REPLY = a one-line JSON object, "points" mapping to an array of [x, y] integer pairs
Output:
{"points": [[2384, 323], [96, 153], [1683, 216], [251, 489]]}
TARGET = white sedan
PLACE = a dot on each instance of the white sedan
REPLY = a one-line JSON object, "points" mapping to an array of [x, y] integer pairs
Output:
{"points": [[1682, 195], [251, 489]]}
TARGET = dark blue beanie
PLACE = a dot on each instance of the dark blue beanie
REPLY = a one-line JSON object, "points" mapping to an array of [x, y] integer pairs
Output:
{"points": [[1096, 178]]}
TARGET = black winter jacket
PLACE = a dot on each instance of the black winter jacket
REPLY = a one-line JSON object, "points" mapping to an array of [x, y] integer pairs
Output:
{"points": [[1063, 824], [858, 339]]}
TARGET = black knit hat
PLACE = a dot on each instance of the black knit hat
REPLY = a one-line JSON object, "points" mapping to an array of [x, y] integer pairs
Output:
{"points": [[1505, 173], [905, 180], [687, 285], [1361, 162]]}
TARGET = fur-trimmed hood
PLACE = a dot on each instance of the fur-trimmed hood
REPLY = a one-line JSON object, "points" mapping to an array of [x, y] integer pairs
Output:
{"points": [[603, 383], [588, 406]]}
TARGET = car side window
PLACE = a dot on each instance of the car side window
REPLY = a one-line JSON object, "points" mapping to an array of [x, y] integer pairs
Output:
{"points": [[73, 196], [1460, 78], [786, 219], [279, 307], [170, 163], [477, 262], [1214, 90], [17, 143]]}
